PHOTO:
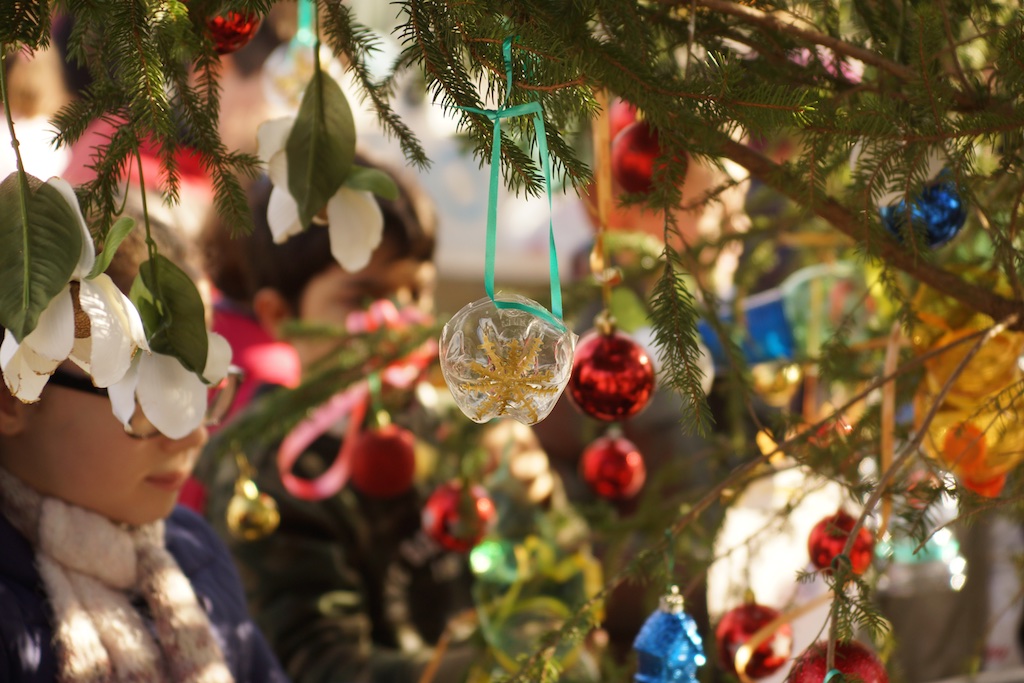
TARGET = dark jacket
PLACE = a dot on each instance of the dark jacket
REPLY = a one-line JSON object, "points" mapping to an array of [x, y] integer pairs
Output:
{"points": [[348, 589], [26, 634]]}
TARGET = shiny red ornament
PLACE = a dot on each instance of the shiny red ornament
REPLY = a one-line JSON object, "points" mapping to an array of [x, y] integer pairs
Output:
{"points": [[613, 467], [739, 625], [620, 114], [232, 30], [828, 538], [612, 376], [384, 461], [634, 150], [853, 660], [458, 519]]}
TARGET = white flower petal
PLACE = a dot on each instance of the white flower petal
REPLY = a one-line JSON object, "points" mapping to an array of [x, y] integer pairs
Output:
{"points": [[88, 255], [8, 349], [218, 358], [277, 169], [122, 392], [271, 137], [171, 397], [356, 224], [54, 334], [135, 327], [112, 346], [25, 372], [22, 382], [282, 215]]}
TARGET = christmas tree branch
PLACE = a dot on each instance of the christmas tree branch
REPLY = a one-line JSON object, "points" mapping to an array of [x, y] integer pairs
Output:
{"points": [[791, 25], [888, 250], [909, 450]]}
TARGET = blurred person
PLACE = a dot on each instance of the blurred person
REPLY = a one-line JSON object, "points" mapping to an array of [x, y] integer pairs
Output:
{"points": [[348, 588]]}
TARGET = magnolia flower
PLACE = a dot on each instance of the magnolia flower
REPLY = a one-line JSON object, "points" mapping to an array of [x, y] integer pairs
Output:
{"points": [[90, 321], [169, 395], [354, 218]]}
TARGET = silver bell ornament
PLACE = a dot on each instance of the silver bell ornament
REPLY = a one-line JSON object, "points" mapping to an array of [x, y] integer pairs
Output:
{"points": [[668, 647], [511, 360]]}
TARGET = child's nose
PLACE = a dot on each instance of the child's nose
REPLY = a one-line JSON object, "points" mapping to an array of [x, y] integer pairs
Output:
{"points": [[197, 438]]}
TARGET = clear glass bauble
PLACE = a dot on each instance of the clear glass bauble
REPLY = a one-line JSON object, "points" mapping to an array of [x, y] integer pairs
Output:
{"points": [[505, 361]]}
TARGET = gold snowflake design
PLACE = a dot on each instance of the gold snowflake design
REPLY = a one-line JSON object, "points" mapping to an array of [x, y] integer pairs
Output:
{"points": [[511, 379]]}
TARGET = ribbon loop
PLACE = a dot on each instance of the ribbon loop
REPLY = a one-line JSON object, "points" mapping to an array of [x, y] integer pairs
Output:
{"points": [[495, 116]]}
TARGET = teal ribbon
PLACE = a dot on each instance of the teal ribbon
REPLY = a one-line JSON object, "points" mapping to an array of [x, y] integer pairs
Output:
{"points": [[832, 674], [496, 115], [305, 35]]}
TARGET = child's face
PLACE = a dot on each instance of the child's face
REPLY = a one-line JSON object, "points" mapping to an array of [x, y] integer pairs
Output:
{"points": [[70, 446], [333, 294]]}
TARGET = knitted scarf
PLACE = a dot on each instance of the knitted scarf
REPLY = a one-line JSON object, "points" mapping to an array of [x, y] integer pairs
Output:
{"points": [[91, 569]]}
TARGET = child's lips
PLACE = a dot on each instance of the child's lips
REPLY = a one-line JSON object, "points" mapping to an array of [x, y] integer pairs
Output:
{"points": [[168, 481]]}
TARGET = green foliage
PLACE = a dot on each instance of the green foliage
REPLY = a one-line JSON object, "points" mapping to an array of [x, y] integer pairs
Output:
{"points": [[372, 180], [172, 312], [891, 83], [40, 244], [674, 313], [321, 147], [118, 231]]}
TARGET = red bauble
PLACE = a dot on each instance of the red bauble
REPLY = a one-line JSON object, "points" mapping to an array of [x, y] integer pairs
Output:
{"points": [[853, 660], [828, 538], [384, 461], [613, 467], [620, 114], [232, 30], [612, 376], [739, 625], [634, 150], [458, 520]]}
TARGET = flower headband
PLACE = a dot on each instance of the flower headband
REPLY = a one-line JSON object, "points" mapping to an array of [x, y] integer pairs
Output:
{"points": [[149, 348]]}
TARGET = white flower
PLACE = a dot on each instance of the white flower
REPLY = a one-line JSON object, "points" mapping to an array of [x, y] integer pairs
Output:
{"points": [[170, 396], [354, 218], [89, 321]]}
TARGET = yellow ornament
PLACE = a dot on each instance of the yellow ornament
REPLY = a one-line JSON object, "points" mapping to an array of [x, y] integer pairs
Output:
{"points": [[776, 383], [251, 514]]}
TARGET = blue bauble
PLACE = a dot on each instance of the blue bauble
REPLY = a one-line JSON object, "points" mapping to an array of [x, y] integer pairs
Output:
{"points": [[939, 211], [668, 647]]}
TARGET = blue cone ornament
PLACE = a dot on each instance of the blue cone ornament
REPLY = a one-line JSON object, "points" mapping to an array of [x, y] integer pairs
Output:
{"points": [[939, 211], [668, 647]]}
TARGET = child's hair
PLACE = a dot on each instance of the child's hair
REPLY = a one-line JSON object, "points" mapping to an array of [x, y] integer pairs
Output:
{"points": [[241, 265], [170, 242]]}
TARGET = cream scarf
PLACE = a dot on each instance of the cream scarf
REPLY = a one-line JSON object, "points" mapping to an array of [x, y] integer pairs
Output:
{"points": [[91, 569]]}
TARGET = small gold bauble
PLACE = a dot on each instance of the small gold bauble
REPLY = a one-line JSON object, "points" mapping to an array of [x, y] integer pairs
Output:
{"points": [[776, 383], [251, 515]]}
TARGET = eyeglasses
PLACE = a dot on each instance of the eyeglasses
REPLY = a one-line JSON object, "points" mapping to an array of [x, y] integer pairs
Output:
{"points": [[219, 400]]}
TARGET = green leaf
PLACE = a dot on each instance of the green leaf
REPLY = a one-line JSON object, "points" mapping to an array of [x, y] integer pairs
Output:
{"points": [[172, 312], [629, 311], [118, 231], [373, 180], [36, 260], [321, 147]]}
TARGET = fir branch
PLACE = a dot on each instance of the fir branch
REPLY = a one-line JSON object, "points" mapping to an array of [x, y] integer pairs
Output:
{"points": [[356, 43], [910, 449], [674, 316], [888, 249]]}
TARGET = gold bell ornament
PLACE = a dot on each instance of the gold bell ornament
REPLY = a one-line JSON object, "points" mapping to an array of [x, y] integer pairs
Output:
{"points": [[251, 514], [776, 383]]}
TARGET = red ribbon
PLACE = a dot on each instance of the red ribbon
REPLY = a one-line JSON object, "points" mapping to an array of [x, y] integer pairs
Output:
{"points": [[351, 403]]}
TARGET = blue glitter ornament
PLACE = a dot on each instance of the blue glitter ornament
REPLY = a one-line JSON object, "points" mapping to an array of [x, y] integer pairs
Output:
{"points": [[668, 647], [939, 211]]}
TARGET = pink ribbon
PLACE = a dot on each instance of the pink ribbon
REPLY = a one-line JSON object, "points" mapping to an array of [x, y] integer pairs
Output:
{"points": [[352, 403]]}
